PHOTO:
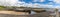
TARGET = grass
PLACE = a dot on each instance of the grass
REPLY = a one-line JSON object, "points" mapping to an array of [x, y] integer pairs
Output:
{"points": [[1, 7]]}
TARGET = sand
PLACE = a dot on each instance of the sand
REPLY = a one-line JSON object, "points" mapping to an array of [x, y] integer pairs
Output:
{"points": [[14, 13]]}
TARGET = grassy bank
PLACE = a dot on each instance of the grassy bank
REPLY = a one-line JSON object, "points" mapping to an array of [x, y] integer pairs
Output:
{"points": [[2, 7]]}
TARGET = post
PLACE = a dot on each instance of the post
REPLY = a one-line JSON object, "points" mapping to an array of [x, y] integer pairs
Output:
{"points": [[57, 13]]}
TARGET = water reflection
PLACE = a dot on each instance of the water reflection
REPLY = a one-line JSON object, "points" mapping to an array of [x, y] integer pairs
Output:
{"points": [[33, 12]]}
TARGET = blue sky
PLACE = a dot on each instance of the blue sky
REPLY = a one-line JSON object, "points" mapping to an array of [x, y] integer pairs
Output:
{"points": [[27, 1], [54, 4], [31, 3]]}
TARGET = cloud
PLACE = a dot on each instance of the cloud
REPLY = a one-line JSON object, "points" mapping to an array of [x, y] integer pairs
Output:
{"points": [[42, 0], [18, 4], [8, 2], [35, 0], [37, 5], [29, 5], [38, 0], [57, 6], [46, 6], [57, 1]]}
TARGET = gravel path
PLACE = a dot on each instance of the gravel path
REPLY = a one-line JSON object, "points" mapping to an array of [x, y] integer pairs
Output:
{"points": [[9, 15], [13, 12]]}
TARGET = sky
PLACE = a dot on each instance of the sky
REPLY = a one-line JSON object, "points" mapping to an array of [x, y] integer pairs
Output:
{"points": [[32, 3]]}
